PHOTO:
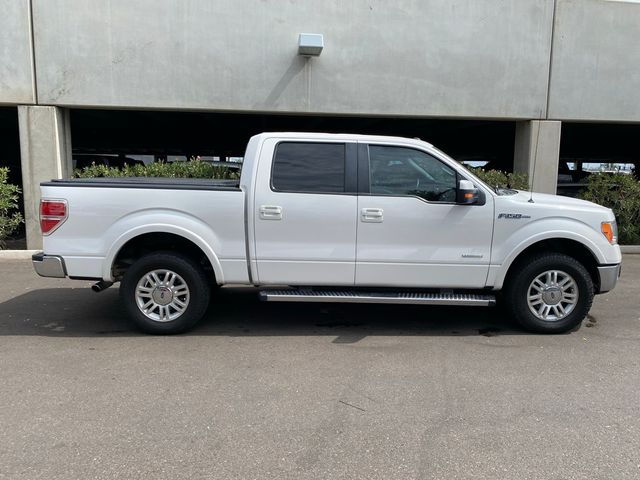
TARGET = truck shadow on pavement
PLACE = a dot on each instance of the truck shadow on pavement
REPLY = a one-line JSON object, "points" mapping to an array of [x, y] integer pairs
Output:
{"points": [[78, 312]]}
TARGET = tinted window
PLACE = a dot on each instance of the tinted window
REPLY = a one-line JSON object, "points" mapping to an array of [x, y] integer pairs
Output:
{"points": [[405, 171], [309, 167]]}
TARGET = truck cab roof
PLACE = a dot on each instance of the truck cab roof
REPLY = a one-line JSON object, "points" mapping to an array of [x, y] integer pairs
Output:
{"points": [[342, 137]]}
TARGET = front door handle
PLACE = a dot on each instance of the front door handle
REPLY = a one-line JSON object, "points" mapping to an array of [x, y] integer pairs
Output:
{"points": [[372, 215], [270, 212]]}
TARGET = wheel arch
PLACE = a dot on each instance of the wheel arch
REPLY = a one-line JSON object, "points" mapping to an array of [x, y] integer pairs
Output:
{"points": [[150, 238], [570, 247]]}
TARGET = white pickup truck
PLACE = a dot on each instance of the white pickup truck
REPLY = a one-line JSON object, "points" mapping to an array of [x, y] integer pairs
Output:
{"points": [[331, 218]]}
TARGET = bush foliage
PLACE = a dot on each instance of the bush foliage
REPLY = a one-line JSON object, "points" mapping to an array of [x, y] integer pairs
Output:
{"points": [[497, 178], [621, 193], [190, 169], [10, 218]]}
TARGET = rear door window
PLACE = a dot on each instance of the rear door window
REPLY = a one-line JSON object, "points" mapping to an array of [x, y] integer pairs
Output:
{"points": [[304, 167]]}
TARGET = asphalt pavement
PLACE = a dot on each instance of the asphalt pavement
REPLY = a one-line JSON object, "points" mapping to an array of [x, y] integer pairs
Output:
{"points": [[297, 391]]}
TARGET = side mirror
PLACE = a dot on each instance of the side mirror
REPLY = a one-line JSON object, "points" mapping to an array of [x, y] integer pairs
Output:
{"points": [[467, 193]]}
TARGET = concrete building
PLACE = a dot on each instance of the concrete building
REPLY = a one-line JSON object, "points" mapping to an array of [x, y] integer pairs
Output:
{"points": [[485, 76]]}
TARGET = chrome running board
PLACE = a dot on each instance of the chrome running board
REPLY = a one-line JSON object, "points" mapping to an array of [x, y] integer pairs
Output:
{"points": [[355, 296]]}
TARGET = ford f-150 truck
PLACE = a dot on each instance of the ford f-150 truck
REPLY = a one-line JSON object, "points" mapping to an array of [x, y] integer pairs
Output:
{"points": [[331, 218]]}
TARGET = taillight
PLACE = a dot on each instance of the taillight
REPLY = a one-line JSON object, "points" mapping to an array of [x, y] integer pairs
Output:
{"points": [[53, 213]]}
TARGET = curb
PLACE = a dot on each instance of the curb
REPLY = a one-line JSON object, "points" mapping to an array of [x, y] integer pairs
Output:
{"points": [[630, 249], [16, 254]]}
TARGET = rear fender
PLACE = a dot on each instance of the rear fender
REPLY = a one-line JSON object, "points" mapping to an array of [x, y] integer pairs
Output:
{"points": [[177, 223]]}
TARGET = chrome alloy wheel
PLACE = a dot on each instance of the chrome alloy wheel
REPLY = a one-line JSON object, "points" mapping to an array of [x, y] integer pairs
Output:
{"points": [[552, 295], [162, 295]]}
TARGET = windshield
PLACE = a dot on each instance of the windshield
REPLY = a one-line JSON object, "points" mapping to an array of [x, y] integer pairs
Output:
{"points": [[468, 171], [495, 188]]}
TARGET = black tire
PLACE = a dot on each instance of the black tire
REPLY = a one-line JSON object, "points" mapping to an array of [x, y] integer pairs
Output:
{"points": [[518, 287], [196, 297]]}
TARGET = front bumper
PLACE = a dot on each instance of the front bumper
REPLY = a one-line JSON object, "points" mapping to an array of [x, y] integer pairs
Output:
{"points": [[49, 265], [608, 277]]}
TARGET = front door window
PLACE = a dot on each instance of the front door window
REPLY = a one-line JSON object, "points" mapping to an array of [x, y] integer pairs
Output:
{"points": [[403, 171]]}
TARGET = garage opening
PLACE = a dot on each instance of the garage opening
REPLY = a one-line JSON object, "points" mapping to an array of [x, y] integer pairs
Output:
{"points": [[10, 143], [10, 157], [145, 136], [589, 148]]}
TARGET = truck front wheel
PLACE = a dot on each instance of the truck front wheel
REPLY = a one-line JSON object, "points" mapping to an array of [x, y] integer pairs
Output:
{"points": [[551, 293], [165, 293]]}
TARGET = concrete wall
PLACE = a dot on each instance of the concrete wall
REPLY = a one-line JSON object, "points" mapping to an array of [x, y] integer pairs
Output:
{"points": [[474, 58], [596, 61], [441, 58], [16, 79]]}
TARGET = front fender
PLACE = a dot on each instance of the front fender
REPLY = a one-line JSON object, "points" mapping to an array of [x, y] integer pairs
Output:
{"points": [[506, 250], [161, 221]]}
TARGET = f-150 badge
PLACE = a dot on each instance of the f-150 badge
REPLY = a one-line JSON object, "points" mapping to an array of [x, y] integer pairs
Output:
{"points": [[513, 216]]}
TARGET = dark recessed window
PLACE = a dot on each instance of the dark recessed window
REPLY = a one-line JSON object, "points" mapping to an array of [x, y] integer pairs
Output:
{"points": [[309, 167]]}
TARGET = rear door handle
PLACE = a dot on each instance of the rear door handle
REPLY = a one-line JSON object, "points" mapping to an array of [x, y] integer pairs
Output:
{"points": [[270, 212], [372, 215]]}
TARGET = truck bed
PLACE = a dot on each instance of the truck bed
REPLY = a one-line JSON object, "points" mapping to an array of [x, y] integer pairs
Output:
{"points": [[105, 213]]}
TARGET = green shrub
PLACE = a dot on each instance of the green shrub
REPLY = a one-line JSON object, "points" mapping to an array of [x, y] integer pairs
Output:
{"points": [[496, 178], [190, 169], [10, 218], [621, 193]]}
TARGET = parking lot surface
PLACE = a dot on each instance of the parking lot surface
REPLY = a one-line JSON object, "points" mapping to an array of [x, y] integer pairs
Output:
{"points": [[295, 391]]}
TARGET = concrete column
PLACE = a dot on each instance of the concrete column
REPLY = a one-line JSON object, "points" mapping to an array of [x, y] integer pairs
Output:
{"points": [[45, 150], [537, 152]]}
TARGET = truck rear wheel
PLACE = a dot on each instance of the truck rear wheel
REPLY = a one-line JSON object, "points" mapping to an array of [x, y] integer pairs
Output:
{"points": [[551, 293], [165, 293]]}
